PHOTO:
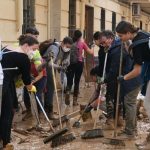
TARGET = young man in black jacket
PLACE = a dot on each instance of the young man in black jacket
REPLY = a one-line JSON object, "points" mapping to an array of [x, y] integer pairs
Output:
{"points": [[129, 89]]}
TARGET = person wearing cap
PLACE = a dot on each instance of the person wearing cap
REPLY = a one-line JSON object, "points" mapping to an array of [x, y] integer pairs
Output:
{"points": [[61, 59]]}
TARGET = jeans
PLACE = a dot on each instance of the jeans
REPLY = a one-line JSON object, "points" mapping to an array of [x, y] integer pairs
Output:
{"points": [[40, 85], [74, 72], [130, 106]]}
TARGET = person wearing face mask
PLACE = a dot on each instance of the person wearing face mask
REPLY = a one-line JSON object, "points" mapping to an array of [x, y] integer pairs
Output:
{"points": [[38, 78], [15, 57], [75, 69], [61, 59]]}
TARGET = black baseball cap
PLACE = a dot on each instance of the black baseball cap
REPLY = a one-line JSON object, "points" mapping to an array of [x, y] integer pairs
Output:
{"points": [[32, 30]]}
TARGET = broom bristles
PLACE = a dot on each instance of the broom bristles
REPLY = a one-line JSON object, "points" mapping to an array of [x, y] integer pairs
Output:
{"points": [[90, 134], [54, 135], [63, 139]]}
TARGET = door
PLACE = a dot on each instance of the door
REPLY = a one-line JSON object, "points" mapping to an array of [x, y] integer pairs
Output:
{"points": [[88, 35]]}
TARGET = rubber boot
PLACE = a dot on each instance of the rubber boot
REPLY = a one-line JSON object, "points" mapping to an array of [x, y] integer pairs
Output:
{"points": [[109, 124], [67, 98], [50, 113], [75, 103]]}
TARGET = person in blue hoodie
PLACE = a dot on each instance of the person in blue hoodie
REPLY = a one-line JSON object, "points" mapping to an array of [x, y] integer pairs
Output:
{"points": [[129, 89]]}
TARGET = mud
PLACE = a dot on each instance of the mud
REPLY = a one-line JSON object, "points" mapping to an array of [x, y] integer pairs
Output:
{"points": [[32, 139]]}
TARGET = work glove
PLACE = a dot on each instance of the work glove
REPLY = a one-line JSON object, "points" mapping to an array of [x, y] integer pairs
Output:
{"points": [[33, 89], [120, 78]]}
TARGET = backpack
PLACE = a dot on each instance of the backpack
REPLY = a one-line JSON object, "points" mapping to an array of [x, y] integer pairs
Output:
{"points": [[74, 53], [45, 44], [141, 41]]}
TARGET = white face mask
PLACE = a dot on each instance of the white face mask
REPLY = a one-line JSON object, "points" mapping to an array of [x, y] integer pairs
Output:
{"points": [[65, 49], [30, 54]]}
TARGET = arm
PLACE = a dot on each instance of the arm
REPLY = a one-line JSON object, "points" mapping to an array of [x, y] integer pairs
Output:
{"points": [[113, 68], [137, 56], [40, 75], [87, 49], [134, 73]]}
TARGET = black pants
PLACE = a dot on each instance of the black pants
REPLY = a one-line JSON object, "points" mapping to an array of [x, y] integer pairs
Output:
{"points": [[49, 94], [111, 97], [74, 72], [9, 103]]}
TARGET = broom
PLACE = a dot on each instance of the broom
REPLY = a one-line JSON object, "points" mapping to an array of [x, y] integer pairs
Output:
{"points": [[114, 140], [65, 138], [77, 123], [95, 133]]}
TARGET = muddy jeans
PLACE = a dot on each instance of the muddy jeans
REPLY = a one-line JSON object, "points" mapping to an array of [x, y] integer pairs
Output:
{"points": [[147, 100], [130, 107]]}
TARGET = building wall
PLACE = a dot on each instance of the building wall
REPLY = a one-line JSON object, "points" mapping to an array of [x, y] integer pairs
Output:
{"points": [[41, 18], [8, 18], [51, 17]]}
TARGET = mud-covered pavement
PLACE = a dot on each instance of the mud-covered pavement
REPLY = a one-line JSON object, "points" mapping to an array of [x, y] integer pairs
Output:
{"points": [[24, 137]]}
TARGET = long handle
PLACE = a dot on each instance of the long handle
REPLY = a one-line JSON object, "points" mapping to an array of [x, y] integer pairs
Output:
{"points": [[54, 79], [118, 92], [37, 99], [104, 70]]}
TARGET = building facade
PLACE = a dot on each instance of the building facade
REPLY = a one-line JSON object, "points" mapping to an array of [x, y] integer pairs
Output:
{"points": [[59, 18]]}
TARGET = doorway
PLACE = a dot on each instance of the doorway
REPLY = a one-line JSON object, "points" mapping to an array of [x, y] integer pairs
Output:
{"points": [[88, 36]]}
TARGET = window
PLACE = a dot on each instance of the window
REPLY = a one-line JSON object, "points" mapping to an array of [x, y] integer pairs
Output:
{"points": [[113, 21], [72, 17], [28, 14], [102, 19]]}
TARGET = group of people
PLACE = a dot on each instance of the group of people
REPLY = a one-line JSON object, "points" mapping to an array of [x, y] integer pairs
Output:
{"points": [[33, 62], [134, 44]]}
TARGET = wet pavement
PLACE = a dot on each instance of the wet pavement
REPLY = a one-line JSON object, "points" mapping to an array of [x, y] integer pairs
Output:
{"points": [[26, 138]]}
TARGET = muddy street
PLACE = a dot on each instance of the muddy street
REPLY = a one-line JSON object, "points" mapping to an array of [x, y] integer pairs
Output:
{"points": [[26, 137]]}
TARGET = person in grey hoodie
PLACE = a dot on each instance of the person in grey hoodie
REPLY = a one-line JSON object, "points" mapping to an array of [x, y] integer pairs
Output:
{"points": [[61, 59]]}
